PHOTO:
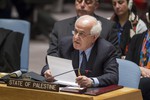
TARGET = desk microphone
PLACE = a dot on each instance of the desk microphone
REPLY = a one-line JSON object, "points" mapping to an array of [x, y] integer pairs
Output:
{"points": [[14, 74], [65, 72]]}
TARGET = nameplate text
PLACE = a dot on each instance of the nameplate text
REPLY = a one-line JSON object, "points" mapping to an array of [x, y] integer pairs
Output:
{"points": [[33, 85]]}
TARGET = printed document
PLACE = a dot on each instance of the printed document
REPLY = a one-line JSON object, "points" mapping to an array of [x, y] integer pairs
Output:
{"points": [[62, 70]]}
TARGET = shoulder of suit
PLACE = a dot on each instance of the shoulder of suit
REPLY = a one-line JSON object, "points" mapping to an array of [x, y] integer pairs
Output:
{"points": [[104, 20], [104, 42], [68, 20]]}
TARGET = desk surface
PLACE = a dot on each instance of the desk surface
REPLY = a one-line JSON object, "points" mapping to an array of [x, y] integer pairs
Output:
{"points": [[15, 93]]}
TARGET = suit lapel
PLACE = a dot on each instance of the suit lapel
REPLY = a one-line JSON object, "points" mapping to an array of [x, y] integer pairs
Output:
{"points": [[92, 58], [75, 60]]}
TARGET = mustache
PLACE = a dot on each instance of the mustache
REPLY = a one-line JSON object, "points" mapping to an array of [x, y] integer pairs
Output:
{"points": [[80, 10], [76, 42]]}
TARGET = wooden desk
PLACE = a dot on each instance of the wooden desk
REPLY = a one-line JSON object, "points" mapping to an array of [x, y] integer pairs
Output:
{"points": [[14, 93]]}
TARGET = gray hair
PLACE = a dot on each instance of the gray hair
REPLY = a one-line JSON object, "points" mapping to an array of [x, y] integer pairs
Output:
{"points": [[96, 29], [97, 26]]}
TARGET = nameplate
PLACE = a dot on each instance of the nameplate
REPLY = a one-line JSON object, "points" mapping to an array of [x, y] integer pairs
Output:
{"points": [[33, 85]]}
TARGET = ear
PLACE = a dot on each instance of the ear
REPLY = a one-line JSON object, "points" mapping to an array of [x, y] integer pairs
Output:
{"points": [[94, 38]]}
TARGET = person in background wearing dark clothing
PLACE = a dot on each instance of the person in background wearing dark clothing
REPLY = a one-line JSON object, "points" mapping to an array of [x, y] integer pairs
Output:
{"points": [[128, 22], [10, 48], [66, 27], [139, 52], [93, 55], [5, 9], [24, 10]]}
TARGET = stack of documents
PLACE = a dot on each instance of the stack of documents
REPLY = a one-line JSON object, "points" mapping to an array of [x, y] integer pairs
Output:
{"points": [[62, 70]]}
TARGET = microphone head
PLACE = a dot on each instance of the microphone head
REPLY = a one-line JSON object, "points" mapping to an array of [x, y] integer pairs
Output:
{"points": [[15, 74]]}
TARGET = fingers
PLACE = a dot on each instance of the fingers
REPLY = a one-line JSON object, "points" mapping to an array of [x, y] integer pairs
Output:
{"points": [[50, 79], [48, 75], [83, 81]]}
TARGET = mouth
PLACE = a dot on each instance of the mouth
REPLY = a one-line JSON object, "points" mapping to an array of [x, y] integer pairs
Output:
{"points": [[76, 42], [82, 11]]}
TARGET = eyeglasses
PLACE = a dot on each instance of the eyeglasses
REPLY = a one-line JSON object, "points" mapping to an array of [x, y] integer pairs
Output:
{"points": [[86, 1], [80, 34]]}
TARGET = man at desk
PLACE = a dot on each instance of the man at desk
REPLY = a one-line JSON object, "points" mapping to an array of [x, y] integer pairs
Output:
{"points": [[93, 55]]}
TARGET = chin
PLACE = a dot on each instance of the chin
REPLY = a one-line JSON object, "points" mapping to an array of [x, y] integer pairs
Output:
{"points": [[82, 13], [76, 47], [119, 13]]}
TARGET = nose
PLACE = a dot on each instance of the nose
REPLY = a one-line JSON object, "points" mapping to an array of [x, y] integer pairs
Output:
{"points": [[83, 3], [76, 36], [117, 5]]}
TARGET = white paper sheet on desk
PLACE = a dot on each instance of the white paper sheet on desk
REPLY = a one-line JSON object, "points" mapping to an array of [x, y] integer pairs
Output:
{"points": [[59, 65]]}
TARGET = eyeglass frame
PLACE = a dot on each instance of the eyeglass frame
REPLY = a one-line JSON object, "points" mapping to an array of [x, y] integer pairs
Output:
{"points": [[80, 34]]}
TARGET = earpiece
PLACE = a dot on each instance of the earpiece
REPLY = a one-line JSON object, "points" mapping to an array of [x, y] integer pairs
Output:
{"points": [[147, 17], [130, 3]]}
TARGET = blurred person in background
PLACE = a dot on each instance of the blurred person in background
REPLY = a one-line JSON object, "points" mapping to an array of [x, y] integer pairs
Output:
{"points": [[128, 22], [65, 28], [5, 10], [24, 10], [139, 52]]}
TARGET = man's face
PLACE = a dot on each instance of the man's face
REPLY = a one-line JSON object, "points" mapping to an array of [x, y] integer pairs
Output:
{"points": [[120, 7], [86, 7], [82, 38]]}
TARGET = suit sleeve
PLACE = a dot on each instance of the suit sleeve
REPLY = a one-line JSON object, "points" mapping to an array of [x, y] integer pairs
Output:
{"points": [[110, 74]]}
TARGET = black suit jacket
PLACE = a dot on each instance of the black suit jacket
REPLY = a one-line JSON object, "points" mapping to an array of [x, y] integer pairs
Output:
{"points": [[102, 61], [135, 47], [10, 48], [65, 27]]}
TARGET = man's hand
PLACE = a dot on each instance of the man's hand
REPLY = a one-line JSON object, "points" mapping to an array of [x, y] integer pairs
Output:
{"points": [[48, 75], [84, 81]]}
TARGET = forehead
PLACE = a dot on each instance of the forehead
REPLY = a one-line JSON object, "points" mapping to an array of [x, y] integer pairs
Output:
{"points": [[87, 1], [82, 28], [118, 0], [85, 23], [90, 0]]}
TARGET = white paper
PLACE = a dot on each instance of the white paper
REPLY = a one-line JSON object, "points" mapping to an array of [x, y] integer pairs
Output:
{"points": [[59, 65]]}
